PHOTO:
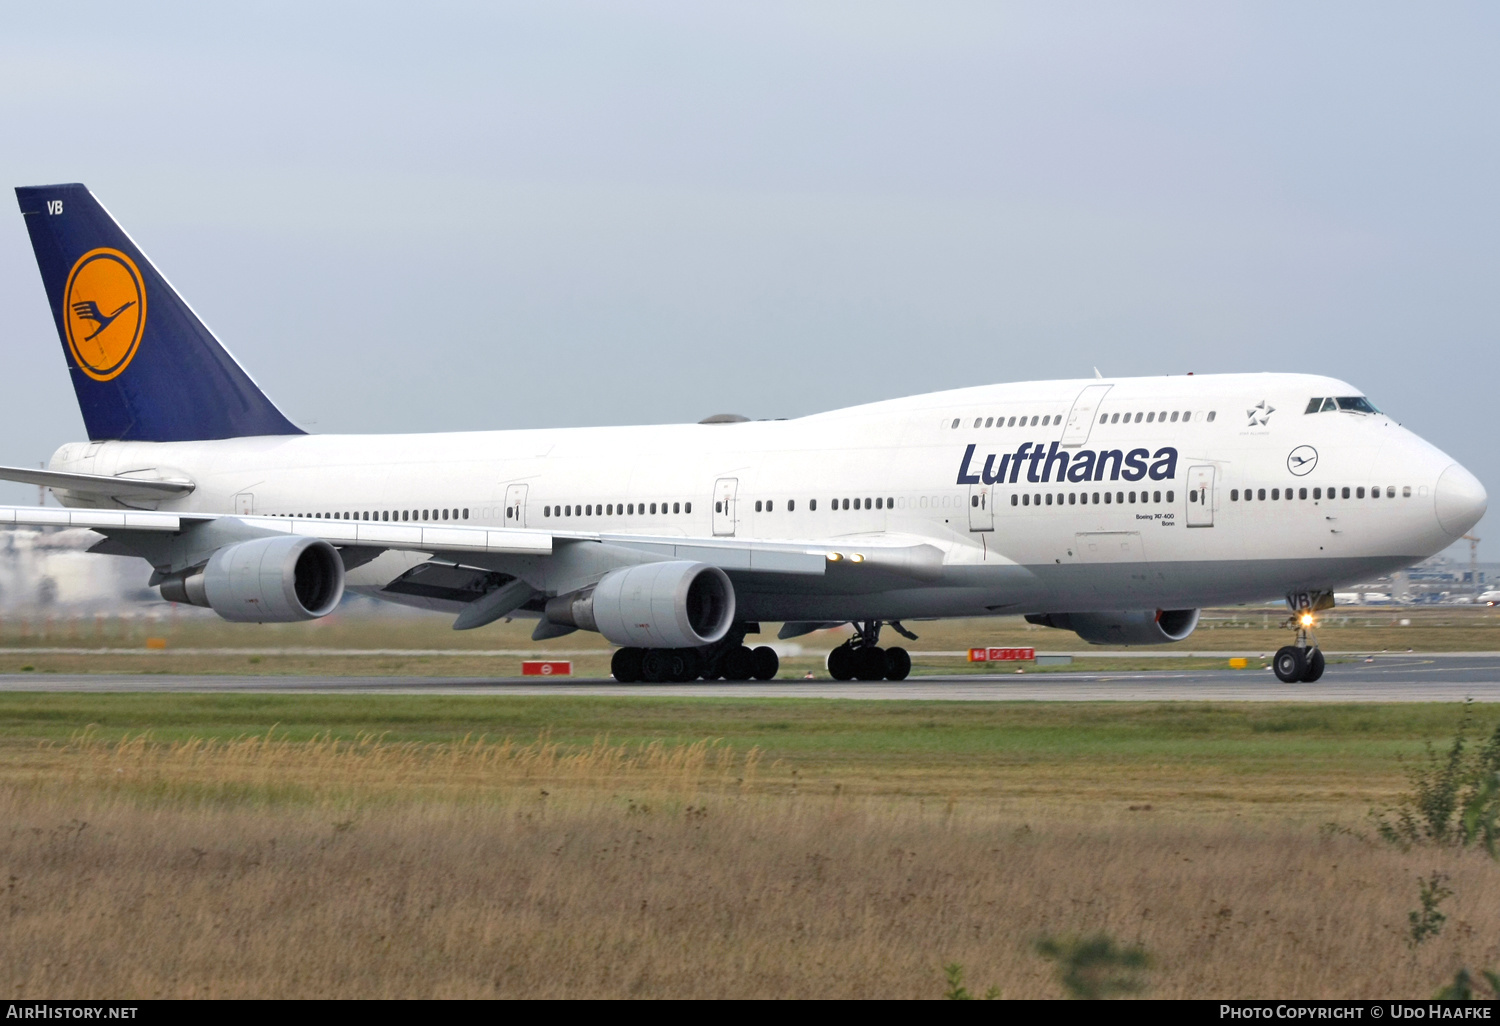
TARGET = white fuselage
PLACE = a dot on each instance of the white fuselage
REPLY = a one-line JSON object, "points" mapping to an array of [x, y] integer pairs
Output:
{"points": [[1105, 532]]}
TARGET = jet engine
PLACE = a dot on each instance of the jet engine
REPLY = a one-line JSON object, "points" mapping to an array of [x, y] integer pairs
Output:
{"points": [[1143, 627], [268, 580], [676, 604]]}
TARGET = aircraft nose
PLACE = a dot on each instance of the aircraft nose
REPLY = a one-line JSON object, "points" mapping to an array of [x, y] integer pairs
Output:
{"points": [[1460, 500]]}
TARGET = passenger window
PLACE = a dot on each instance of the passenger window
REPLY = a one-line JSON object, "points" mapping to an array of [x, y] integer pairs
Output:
{"points": [[846, 503], [1186, 416], [1174, 416], [1301, 493], [1375, 492], [1359, 493], [978, 421], [1049, 498], [867, 504], [1013, 500], [1170, 496], [1344, 493], [1033, 421], [1156, 496], [1390, 491], [1083, 498], [1046, 420], [955, 423], [1012, 422], [812, 505], [757, 505], [1150, 418], [1072, 499], [791, 506], [1026, 500], [1107, 498], [653, 507], [1104, 418], [1211, 414], [677, 507], [878, 502], [1234, 495], [1275, 493], [1406, 491], [988, 421], [1115, 419], [1132, 496]]}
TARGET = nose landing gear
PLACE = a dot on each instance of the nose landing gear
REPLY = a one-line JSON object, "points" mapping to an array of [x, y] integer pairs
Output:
{"points": [[1302, 662], [862, 658]]}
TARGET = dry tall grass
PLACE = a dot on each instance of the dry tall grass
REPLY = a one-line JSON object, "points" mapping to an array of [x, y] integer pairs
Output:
{"points": [[264, 868]]}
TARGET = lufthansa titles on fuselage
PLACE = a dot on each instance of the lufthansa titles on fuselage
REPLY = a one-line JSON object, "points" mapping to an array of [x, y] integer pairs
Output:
{"points": [[1038, 464]]}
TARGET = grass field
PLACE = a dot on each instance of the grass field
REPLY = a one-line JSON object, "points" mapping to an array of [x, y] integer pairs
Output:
{"points": [[197, 642], [165, 845]]}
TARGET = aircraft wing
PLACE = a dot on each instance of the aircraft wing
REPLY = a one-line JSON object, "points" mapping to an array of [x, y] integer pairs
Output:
{"points": [[149, 534], [100, 484]]}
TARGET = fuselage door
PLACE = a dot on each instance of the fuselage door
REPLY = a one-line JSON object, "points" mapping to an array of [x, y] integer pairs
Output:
{"points": [[515, 506], [724, 489], [1200, 497], [244, 504], [1081, 418], [981, 507]]}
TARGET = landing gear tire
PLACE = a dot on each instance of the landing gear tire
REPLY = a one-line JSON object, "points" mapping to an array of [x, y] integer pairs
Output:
{"points": [[738, 664], [1315, 664], [869, 663], [1290, 664], [625, 665], [656, 665], [841, 663], [897, 663], [686, 664], [764, 663]]}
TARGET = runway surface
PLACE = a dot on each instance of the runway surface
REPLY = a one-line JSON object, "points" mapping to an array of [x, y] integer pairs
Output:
{"points": [[1405, 678]]}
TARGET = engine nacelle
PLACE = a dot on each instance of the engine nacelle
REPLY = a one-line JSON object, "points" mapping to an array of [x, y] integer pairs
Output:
{"points": [[679, 604], [1132, 627], [268, 580]]}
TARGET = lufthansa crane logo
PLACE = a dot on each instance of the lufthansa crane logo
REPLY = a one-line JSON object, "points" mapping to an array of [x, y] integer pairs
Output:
{"points": [[1301, 460], [104, 312]]}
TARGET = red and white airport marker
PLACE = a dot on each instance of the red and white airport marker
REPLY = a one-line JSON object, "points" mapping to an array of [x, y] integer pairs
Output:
{"points": [[545, 668]]}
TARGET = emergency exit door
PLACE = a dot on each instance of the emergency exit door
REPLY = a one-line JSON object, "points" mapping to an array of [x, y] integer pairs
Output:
{"points": [[515, 506], [1200, 497], [724, 489], [981, 508]]}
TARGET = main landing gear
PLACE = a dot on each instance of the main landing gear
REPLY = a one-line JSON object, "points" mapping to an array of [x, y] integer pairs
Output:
{"points": [[862, 658], [730, 659], [1302, 662]]}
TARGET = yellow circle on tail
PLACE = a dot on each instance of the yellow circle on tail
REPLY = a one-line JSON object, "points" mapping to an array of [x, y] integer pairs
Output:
{"points": [[104, 312]]}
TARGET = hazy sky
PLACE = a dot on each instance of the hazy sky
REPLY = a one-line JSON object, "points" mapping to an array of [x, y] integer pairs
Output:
{"points": [[448, 216]]}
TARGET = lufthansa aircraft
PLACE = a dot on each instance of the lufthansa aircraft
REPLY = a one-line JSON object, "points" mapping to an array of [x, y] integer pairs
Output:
{"points": [[1114, 508]]}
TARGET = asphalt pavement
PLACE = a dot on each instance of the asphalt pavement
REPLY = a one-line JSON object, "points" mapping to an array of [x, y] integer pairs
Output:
{"points": [[1395, 678]]}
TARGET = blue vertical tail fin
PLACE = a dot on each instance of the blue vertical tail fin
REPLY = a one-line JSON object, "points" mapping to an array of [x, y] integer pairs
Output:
{"points": [[145, 368]]}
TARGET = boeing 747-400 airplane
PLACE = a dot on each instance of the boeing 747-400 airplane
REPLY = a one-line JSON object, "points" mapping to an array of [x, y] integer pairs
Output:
{"points": [[1114, 508]]}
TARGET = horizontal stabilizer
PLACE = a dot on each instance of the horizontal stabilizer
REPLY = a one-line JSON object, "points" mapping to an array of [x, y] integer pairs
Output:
{"points": [[99, 484]]}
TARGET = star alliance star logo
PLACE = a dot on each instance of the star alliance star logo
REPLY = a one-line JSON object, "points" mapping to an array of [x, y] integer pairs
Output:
{"points": [[1260, 414]]}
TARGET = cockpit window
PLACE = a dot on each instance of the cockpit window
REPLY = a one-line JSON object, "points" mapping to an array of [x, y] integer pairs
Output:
{"points": [[1352, 403]]}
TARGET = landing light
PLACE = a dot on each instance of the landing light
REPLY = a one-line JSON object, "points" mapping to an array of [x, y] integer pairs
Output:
{"points": [[858, 557], [834, 557], [1307, 619]]}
